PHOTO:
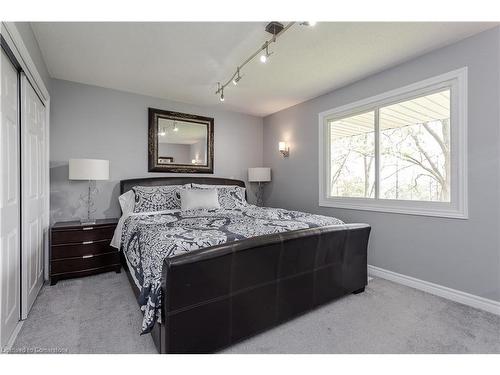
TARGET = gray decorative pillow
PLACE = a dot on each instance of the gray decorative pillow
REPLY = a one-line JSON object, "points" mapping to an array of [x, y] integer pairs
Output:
{"points": [[230, 196], [157, 198]]}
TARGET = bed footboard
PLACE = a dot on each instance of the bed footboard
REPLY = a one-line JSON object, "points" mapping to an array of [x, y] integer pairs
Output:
{"points": [[217, 296]]}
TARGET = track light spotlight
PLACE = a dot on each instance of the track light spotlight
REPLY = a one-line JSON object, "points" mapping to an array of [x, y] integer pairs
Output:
{"points": [[308, 23], [264, 56], [222, 95], [237, 78]]}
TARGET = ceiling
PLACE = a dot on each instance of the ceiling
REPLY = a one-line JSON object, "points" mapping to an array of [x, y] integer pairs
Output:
{"points": [[183, 61]]}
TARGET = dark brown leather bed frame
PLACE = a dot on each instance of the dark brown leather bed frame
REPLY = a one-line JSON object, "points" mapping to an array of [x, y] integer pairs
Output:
{"points": [[217, 296]]}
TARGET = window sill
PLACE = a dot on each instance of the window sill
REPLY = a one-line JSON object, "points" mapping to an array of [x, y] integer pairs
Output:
{"points": [[396, 207]]}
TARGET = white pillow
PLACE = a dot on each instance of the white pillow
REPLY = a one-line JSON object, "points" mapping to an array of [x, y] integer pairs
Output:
{"points": [[127, 202], [230, 196], [192, 199]]}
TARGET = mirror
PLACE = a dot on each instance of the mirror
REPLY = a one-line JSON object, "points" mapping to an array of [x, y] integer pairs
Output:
{"points": [[180, 142]]}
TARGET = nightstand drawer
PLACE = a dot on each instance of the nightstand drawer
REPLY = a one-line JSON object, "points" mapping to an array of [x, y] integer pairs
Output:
{"points": [[81, 249], [85, 233], [84, 263]]}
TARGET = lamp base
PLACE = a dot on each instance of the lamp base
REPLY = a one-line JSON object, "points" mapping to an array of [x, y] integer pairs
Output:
{"points": [[260, 194], [90, 219]]}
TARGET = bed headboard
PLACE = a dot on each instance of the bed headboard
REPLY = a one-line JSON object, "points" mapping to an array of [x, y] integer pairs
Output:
{"points": [[126, 185]]}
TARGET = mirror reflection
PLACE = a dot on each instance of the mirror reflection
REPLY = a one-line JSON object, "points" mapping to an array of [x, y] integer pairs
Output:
{"points": [[181, 142]]}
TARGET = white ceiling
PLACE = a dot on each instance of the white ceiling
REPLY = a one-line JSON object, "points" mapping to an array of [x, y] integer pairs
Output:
{"points": [[184, 61]]}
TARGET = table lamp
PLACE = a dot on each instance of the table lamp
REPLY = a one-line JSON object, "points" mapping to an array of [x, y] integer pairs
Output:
{"points": [[259, 175], [90, 170]]}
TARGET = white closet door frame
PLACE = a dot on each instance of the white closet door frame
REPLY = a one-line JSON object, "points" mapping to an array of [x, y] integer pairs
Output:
{"points": [[10, 201], [15, 42]]}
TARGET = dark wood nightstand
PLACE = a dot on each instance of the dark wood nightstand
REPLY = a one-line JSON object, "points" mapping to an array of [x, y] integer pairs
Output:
{"points": [[80, 250]]}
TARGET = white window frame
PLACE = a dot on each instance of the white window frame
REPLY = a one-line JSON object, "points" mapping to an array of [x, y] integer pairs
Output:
{"points": [[456, 81]]}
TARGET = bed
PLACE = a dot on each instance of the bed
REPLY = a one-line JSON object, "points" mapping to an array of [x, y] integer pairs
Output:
{"points": [[231, 289]]}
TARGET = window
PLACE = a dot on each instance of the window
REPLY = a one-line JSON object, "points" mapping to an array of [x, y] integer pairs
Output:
{"points": [[352, 150], [402, 151]]}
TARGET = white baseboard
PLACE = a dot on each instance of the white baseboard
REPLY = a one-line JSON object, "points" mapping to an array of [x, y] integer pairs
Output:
{"points": [[13, 337], [438, 290]]}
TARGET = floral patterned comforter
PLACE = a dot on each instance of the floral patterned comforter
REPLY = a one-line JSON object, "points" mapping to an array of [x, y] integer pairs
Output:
{"points": [[148, 239]]}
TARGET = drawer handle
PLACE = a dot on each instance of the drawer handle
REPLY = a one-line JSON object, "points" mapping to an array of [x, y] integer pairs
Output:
{"points": [[87, 256], [88, 228], [87, 242]]}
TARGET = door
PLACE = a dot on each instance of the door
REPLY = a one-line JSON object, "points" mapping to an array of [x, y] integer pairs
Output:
{"points": [[10, 208], [33, 183]]}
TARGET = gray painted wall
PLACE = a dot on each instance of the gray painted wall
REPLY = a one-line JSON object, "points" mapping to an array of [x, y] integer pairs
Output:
{"points": [[460, 254], [31, 44], [93, 122]]}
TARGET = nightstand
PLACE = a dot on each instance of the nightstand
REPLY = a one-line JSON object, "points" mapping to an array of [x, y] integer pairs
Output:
{"points": [[80, 250]]}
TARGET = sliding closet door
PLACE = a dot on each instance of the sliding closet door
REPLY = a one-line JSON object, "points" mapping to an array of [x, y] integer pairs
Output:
{"points": [[33, 182], [10, 296]]}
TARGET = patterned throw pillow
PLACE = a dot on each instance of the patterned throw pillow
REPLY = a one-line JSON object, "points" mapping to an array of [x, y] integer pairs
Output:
{"points": [[230, 196], [158, 198]]}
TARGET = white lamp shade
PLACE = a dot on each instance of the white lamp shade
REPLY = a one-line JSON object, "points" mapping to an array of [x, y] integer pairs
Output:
{"points": [[88, 169], [259, 174]]}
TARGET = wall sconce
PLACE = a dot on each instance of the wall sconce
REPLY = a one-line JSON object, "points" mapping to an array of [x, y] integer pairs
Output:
{"points": [[284, 149]]}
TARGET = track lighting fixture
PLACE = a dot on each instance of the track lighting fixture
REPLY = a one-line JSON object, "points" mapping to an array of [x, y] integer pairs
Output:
{"points": [[276, 29]]}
